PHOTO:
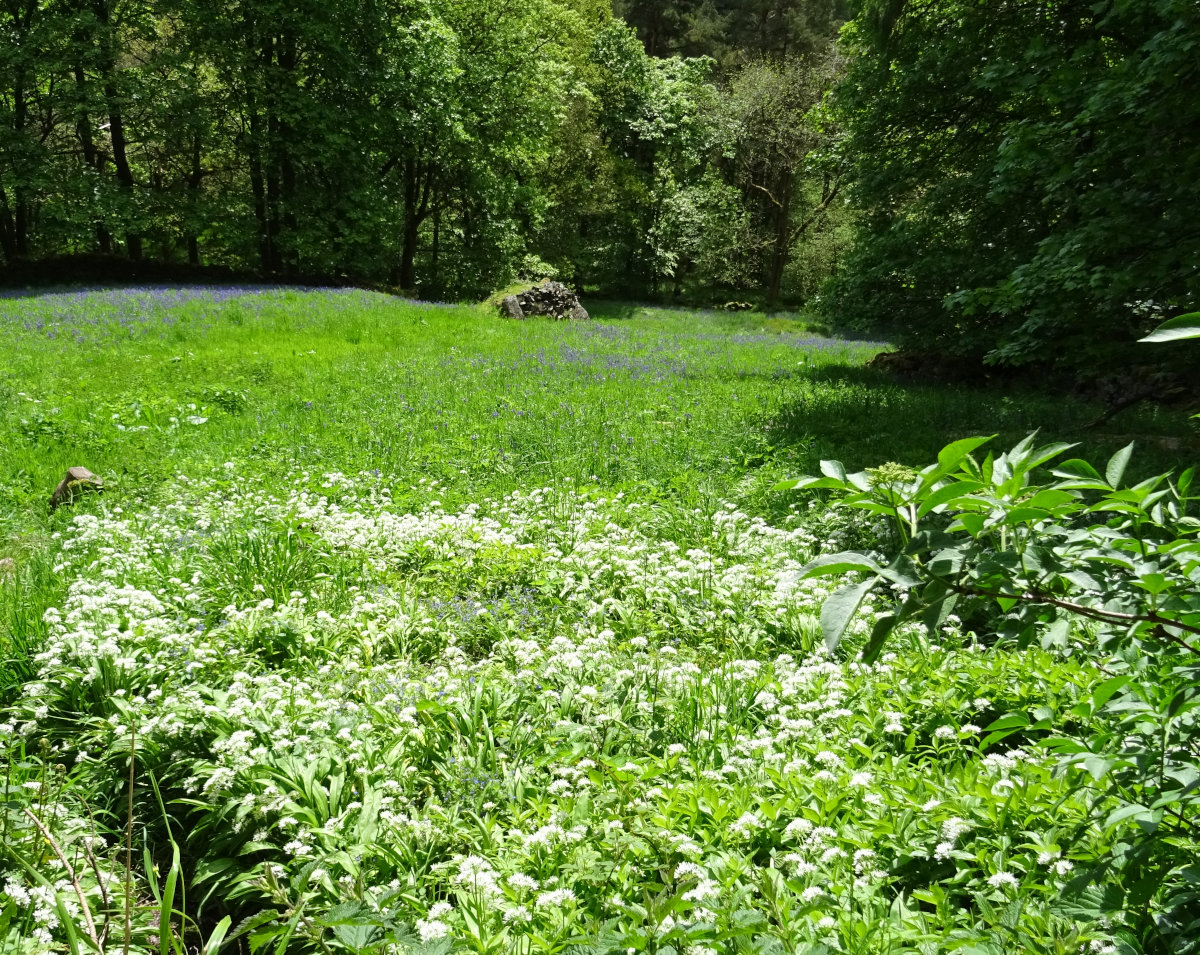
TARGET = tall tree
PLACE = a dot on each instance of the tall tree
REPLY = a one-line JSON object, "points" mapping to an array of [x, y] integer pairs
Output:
{"points": [[734, 32], [22, 137], [785, 159]]}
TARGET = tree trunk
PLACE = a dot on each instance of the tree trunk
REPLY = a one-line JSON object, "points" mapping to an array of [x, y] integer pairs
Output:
{"points": [[417, 188], [7, 228], [195, 178], [781, 246], [18, 217], [435, 250], [116, 120], [91, 155], [20, 220], [282, 141]]}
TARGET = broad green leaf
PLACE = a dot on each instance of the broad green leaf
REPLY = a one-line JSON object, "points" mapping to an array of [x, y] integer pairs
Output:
{"points": [[807, 483], [1083, 580], [1007, 722], [841, 563], [972, 523], [1062, 744], [1116, 466], [1057, 633], [1047, 453], [1076, 468], [834, 469], [355, 936], [879, 634], [953, 454], [1098, 766], [1132, 811], [901, 571], [1176, 329], [939, 610], [1185, 482], [839, 608], [947, 495], [1104, 691]]}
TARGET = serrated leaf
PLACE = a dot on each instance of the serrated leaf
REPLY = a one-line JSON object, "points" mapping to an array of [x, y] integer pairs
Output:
{"points": [[356, 936]]}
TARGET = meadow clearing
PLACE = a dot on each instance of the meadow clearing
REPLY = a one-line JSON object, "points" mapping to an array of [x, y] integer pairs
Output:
{"points": [[400, 628]]}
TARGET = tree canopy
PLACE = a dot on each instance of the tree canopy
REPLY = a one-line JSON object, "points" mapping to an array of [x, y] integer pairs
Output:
{"points": [[1026, 174]]}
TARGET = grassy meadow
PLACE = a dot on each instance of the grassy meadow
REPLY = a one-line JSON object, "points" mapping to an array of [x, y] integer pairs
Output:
{"points": [[400, 628]]}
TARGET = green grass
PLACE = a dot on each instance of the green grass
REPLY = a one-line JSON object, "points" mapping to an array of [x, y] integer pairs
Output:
{"points": [[350, 381]]}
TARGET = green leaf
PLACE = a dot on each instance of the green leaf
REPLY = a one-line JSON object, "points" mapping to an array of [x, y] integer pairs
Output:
{"points": [[1098, 766], [1076, 468], [1004, 726], [1116, 466], [1131, 811], [846, 562], [1176, 329], [1057, 633], [217, 937], [834, 469], [1007, 722], [355, 935], [840, 608], [1104, 691], [1185, 482], [166, 907], [808, 483], [879, 634], [953, 453], [946, 495]]}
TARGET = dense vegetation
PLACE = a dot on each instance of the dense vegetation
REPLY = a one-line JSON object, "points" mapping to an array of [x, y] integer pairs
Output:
{"points": [[435, 146], [402, 628], [1026, 174]]}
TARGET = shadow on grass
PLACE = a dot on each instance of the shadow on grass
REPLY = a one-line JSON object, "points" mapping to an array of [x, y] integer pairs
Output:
{"points": [[864, 417]]}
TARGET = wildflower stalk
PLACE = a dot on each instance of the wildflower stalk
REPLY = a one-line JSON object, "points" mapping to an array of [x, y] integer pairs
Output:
{"points": [[83, 905], [129, 841]]}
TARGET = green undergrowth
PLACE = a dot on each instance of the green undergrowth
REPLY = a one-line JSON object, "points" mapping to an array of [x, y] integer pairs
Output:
{"points": [[400, 628]]}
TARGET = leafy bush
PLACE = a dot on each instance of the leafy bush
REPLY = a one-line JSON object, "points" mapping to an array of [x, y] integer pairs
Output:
{"points": [[1079, 564]]}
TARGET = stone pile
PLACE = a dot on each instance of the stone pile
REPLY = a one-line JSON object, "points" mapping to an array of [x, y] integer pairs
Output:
{"points": [[549, 298]]}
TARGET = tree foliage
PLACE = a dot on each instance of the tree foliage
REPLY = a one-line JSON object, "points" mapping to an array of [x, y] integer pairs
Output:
{"points": [[1026, 172], [440, 147]]}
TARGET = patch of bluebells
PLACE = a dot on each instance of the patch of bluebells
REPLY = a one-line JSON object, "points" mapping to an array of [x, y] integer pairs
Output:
{"points": [[89, 315]]}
